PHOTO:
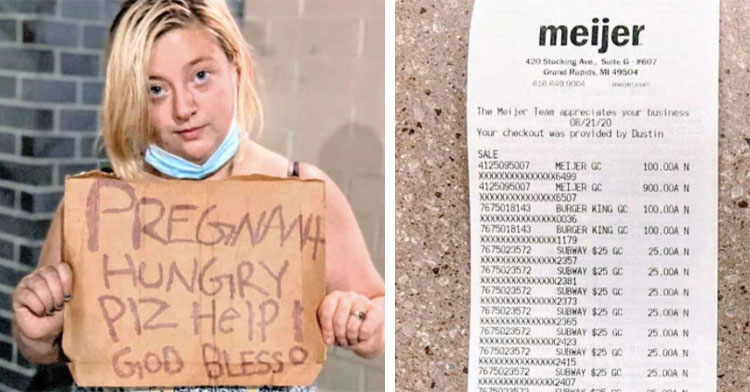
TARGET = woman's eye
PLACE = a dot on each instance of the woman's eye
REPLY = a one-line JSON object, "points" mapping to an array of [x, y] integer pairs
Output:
{"points": [[155, 91], [202, 76]]}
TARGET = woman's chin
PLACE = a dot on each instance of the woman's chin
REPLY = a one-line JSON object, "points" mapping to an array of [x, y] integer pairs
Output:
{"points": [[196, 153], [196, 159]]}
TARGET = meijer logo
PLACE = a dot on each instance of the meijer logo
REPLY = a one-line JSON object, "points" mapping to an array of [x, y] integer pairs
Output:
{"points": [[597, 35]]}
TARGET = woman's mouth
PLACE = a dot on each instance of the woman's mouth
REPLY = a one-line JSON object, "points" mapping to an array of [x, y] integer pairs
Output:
{"points": [[190, 134]]}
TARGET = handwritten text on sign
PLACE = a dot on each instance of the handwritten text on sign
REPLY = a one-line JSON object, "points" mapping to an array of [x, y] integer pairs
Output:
{"points": [[190, 283]]}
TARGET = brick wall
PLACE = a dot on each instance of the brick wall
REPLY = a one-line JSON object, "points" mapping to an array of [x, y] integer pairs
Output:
{"points": [[321, 64], [51, 69]]}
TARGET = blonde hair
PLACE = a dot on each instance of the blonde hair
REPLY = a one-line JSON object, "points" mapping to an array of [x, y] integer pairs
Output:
{"points": [[126, 124]]}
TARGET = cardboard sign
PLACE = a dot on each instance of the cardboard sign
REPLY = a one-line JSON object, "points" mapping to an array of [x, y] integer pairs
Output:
{"points": [[183, 283]]}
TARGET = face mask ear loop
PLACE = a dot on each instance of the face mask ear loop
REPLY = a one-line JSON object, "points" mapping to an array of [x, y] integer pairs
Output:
{"points": [[237, 74]]}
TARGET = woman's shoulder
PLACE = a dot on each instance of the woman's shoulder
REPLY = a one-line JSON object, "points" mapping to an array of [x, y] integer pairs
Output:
{"points": [[257, 159], [262, 160]]}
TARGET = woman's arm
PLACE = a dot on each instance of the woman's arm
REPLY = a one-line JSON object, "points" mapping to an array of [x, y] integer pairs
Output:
{"points": [[39, 298], [352, 283]]}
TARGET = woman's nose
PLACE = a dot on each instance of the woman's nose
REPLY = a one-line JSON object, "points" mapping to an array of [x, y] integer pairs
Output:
{"points": [[184, 104]]}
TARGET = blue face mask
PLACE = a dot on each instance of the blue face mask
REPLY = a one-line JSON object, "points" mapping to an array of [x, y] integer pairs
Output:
{"points": [[177, 167]]}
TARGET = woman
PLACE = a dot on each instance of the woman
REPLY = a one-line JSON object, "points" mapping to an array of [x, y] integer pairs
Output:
{"points": [[180, 102]]}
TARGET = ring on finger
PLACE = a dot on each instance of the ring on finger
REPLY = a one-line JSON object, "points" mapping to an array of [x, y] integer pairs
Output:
{"points": [[362, 316]]}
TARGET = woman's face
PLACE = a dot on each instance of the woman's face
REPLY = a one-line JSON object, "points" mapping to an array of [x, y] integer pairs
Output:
{"points": [[191, 93]]}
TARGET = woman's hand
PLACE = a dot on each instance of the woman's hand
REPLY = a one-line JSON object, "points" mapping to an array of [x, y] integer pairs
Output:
{"points": [[38, 302], [352, 320]]}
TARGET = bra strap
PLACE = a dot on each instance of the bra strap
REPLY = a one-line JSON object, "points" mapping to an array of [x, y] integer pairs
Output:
{"points": [[293, 170]]}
